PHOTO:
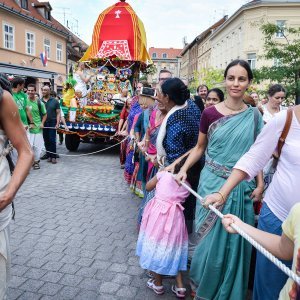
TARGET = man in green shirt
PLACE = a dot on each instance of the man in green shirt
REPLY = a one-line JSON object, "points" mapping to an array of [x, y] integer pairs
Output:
{"points": [[39, 115], [21, 100]]}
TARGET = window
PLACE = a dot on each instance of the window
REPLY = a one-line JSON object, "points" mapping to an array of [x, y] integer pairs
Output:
{"points": [[30, 43], [9, 36], [47, 47], [164, 55], [277, 62], [59, 51], [47, 14], [251, 60], [154, 55], [24, 4], [280, 24]]}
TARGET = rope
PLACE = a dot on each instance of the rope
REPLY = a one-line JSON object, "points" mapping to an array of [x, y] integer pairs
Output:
{"points": [[90, 153], [260, 248]]}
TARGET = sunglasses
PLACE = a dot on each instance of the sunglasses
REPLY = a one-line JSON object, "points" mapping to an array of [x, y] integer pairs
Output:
{"points": [[163, 79]]}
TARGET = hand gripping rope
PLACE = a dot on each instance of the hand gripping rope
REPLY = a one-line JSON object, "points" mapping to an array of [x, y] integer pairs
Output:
{"points": [[260, 248]]}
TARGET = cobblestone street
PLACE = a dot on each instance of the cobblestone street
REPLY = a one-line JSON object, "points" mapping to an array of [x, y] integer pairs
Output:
{"points": [[75, 233]]}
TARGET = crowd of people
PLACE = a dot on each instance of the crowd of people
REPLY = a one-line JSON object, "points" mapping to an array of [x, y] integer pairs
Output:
{"points": [[223, 147], [227, 146], [41, 116]]}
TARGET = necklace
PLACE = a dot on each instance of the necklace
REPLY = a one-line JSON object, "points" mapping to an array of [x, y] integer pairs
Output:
{"points": [[233, 109]]}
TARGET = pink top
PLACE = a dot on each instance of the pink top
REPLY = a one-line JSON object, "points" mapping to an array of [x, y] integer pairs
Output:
{"points": [[283, 191], [209, 115]]}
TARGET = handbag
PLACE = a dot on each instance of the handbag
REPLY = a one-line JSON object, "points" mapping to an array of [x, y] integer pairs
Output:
{"points": [[271, 167]]}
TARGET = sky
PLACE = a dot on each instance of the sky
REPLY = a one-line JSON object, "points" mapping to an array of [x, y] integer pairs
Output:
{"points": [[166, 22]]}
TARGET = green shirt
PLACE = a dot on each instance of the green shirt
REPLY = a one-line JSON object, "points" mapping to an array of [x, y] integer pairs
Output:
{"points": [[21, 101], [34, 109]]}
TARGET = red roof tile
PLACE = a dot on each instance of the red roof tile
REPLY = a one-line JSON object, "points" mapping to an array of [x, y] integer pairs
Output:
{"points": [[33, 12], [171, 52]]}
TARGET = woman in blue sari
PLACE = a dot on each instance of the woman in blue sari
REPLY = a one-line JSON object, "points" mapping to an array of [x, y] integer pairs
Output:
{"points": [[129, 165], [220, 264]]}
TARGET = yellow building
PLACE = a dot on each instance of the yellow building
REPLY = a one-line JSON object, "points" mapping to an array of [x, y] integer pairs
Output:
{"points": [[164, 59], [27, 29], [240, 36]]}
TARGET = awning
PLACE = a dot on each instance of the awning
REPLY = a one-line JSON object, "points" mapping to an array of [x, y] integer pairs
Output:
{"points": [[24, 71]]}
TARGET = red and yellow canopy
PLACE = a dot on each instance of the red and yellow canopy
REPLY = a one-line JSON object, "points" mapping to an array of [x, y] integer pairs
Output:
{"points": [[120, 33]]}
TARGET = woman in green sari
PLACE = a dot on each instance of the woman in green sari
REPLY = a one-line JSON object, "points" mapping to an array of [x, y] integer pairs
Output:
{"points": [[220, 264]]}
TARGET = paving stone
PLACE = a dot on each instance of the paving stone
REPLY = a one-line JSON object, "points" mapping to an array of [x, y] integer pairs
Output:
{"points": [[53, 277], [50, 289], [32, 285], [90, 284], [18, 270], [13, 293], [84, 295], [71, 280], [35, 273], [122, 279], [36, 262], [109, 287], [127, 292], [53, 266], [68, 292], [70, 269], [16, 281], [84, 262], [30, 295], [87, 272], [119, 268]]}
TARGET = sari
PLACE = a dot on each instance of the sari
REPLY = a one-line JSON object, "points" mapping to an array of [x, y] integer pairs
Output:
{"points": [[153, 130], [139, 178], [129, 165], [221, 261]]}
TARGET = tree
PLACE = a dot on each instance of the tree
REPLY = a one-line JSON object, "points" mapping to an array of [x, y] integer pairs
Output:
{"points": [[210, 77], [286, 52]]}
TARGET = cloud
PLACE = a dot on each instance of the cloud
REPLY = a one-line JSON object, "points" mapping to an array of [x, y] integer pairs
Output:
{"points": [[166, 22]]}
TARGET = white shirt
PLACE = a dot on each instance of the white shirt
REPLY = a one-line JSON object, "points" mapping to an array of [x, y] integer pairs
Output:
{"points": [[283, 192], [267, 115]]}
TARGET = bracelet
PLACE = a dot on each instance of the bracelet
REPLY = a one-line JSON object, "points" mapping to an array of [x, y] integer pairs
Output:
{"points": [[221, 196]]}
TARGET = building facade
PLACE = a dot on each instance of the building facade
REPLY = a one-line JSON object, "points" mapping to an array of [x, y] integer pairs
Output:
{"points": [[28, 30], [164, 58], [197, 54], [240, 36]]}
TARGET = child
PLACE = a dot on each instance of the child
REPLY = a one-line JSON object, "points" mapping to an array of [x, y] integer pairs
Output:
{"points": [[284, 247], [163, 239]]}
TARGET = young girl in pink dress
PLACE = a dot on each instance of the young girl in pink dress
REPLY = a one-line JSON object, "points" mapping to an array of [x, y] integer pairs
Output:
{"points": [[163, 239]]}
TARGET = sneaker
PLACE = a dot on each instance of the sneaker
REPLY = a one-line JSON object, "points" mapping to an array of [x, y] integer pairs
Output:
{"points": [[54, 161], [45, 156]]}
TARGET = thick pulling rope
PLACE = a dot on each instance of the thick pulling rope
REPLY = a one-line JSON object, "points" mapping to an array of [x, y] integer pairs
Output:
{"points": [[260, 248]]}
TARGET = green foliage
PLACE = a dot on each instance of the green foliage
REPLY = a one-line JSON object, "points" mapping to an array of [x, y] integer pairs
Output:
{"points": [[150, 70], [210, 77], [286, 51]]}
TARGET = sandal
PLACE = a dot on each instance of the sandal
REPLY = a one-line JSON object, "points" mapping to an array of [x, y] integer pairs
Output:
{"points": [[158, 290], [36, 165], [149, 274], [179, 292]]}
